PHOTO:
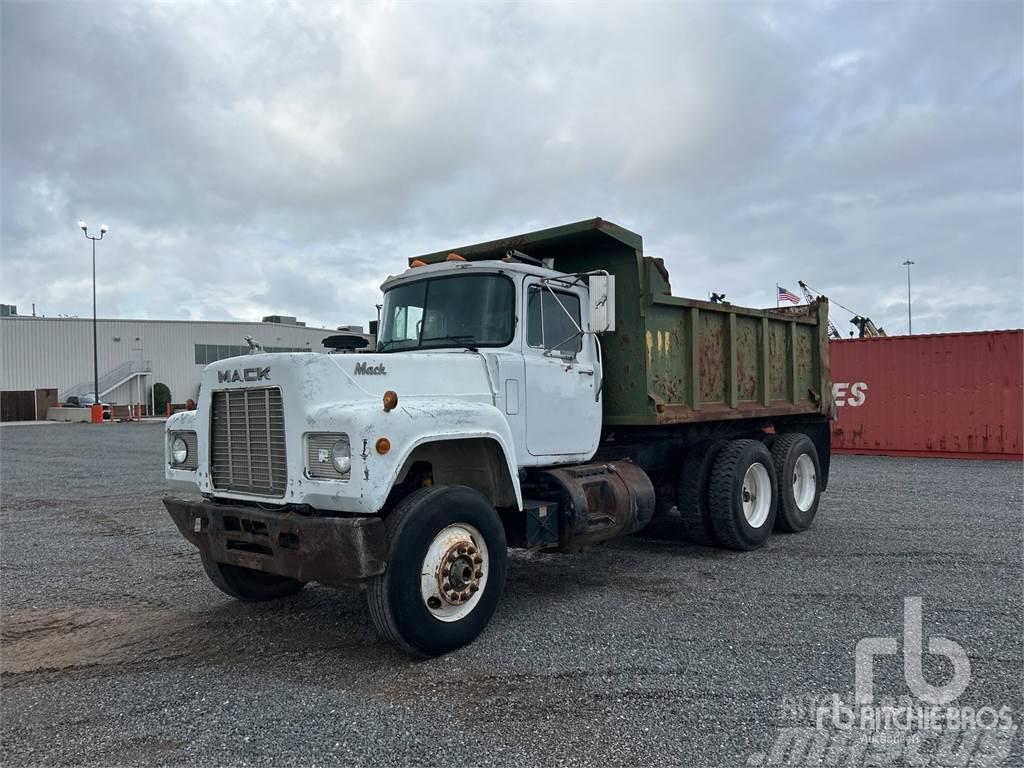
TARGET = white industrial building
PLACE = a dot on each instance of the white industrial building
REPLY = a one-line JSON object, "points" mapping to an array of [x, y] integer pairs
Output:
{"points": [[47, 353]]}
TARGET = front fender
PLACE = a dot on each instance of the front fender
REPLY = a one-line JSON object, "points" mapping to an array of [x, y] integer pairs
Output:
{"points": [[181, 479], [181, 421], [415, 422]]}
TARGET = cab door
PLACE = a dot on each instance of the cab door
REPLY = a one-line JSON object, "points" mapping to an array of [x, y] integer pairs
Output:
{"points": [[563, 406]]}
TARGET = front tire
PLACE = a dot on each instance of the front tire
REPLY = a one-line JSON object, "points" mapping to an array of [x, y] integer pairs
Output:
{"points": [[447, 559], [743, 495], [248, 584]]}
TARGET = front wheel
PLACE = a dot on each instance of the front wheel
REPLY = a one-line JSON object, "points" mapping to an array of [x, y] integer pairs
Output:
{"points": [[248, 584], [447, 559]]}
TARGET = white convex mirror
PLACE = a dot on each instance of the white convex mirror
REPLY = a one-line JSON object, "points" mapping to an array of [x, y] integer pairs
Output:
{"points": [[602, 303]]}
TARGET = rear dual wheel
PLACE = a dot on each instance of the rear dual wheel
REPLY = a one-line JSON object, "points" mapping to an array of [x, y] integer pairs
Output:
{"points": [[799, 471], [742, 497], [732, 493], [694, 512], [727, 494]]}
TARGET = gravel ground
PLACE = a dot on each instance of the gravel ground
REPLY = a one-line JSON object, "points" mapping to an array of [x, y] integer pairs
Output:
{"points": [[116, 650]]}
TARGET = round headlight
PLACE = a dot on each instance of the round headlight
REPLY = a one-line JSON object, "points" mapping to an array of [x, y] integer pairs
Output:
{"points": [[179, 451], [340, 454]]}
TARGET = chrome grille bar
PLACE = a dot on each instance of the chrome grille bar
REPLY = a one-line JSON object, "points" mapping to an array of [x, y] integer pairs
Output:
{"points": [[247, 441]]}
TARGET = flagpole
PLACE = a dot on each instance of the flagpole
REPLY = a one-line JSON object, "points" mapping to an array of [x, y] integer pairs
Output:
{"points": [[776, 295]]}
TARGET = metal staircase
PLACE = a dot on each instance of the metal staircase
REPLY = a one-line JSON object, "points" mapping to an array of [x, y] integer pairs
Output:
{"points": [[110, 380]]}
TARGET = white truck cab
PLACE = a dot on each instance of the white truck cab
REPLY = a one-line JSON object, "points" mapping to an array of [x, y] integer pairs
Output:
{"points": [[489, 352], [408, 471]]}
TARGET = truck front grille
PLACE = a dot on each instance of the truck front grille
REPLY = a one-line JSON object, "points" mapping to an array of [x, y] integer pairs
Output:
{"points": [[247, 446]]}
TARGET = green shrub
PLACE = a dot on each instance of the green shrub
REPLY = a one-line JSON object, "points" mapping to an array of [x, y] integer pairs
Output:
{"points": [[161, 397]]}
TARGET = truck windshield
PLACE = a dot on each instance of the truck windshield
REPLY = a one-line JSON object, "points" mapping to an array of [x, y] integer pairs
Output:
{"points": [[453, 311]]}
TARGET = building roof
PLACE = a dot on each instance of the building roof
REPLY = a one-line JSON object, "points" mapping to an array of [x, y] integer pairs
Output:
{"points": [[185, 322]]}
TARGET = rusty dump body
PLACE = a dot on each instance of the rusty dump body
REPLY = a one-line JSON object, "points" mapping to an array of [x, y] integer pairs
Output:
{"points": [[682, 361]]}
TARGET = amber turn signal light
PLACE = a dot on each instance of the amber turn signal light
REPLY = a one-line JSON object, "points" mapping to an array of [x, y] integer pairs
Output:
{"points": [[383, 445], [390, 400]]}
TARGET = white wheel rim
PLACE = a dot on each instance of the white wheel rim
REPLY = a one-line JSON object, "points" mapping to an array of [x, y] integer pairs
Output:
{"points": [[454, 572], [805, 482], [757, 494]]}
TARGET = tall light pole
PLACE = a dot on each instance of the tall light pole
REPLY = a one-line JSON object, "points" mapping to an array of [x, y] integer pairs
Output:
{"points": [[95, 347], [910, 318]]}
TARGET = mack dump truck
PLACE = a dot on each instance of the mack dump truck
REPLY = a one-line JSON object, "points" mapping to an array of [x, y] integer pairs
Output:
{"points": [[545, 392]]}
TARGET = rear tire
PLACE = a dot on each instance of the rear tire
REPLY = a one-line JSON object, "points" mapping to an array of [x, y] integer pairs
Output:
{"points": [[693, 492], [743, 495], [447, 559], [248, 584], [798, 472]]}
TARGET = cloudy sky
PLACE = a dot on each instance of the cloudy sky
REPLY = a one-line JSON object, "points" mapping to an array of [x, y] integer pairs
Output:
{"points": [[284, 158]]}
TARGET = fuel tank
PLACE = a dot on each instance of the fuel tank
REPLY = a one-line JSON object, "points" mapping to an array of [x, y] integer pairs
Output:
{"points": [[596, 502]]}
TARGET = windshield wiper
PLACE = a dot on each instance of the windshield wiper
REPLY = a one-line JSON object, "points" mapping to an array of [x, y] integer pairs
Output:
{"points": [[385, 345], [461, 341]]}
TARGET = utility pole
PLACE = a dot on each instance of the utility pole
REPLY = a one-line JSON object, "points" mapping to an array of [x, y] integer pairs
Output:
{"points": [[910, 317], [95, 347]]}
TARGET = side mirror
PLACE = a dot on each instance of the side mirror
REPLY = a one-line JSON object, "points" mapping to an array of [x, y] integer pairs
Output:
{"points": [[602, 303]]}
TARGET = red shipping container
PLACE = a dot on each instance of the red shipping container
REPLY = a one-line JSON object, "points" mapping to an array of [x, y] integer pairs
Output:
{"points": [[954, 395]]}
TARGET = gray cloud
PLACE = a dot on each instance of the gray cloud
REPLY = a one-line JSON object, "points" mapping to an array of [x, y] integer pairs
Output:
{"points": [[263, 158]]}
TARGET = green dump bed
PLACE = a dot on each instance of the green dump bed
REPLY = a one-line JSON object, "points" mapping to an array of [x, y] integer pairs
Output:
{"points": [[673, 360]]}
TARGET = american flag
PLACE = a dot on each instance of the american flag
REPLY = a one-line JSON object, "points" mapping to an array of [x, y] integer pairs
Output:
{"points": [[785, 295]]}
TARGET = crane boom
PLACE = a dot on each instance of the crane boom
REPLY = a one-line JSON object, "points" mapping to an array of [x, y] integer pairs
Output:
{"points": [[833, 332], [867, 328]]}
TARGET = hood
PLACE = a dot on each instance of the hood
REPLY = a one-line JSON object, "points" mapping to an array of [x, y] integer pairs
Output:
{"points": [[332, 378]]}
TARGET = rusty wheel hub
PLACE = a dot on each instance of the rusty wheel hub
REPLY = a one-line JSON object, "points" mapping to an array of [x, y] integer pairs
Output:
{"points": [[461, 572], [454, 572]]}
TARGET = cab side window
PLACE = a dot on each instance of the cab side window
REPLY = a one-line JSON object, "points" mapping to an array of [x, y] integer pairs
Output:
{"points": [[557, 332]]}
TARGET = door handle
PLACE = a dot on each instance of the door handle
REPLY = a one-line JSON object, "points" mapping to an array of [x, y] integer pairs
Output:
{"points": [[584, 372]]}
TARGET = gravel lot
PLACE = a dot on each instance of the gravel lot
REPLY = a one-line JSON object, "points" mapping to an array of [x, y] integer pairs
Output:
{"points": [[116, 650]]}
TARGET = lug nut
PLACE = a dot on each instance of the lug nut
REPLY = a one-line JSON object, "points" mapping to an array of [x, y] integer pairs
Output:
{"points": [[477, 560], [474, 587], [471, 550], [479, 574]]}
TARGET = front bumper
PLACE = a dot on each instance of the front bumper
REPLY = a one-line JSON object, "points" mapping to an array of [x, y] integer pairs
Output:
{"points": [[331, 550]]}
